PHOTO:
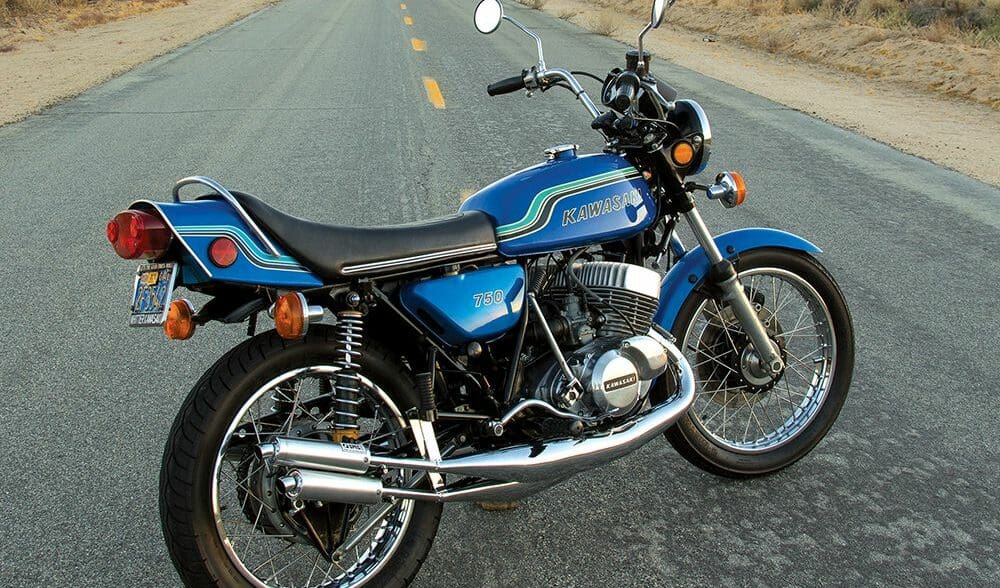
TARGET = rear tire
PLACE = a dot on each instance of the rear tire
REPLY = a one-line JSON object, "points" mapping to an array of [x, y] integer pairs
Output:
{"points": [[187, 479], [717, 366]]}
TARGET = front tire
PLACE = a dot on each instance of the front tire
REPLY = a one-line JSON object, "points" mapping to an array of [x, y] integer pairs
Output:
{"points": [[744, 422], [201, 505]]}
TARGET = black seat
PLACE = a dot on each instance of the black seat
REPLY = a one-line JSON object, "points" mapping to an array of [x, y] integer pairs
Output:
{"points": [[337, 252]]}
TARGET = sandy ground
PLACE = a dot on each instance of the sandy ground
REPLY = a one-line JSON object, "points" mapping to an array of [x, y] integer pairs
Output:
{"points": [[956, 133], [42, 71]]}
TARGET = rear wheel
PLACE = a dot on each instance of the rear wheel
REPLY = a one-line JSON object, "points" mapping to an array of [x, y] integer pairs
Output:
{"points": [[745, 421], [225, 522]]}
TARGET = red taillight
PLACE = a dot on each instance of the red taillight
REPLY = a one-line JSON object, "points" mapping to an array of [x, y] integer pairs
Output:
{"points": [[223, 252], [135, 234], [112, 231]]}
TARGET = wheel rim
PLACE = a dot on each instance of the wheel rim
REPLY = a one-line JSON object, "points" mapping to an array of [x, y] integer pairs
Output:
{"points": [[734, 407], [267, 554]]}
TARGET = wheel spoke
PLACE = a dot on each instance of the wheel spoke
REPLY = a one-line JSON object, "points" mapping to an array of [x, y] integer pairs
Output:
{"points": [[760, 417], [249, 522]]}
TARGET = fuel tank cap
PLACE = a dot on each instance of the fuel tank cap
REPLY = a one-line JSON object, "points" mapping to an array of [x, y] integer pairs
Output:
{"points": [[561, 151]]}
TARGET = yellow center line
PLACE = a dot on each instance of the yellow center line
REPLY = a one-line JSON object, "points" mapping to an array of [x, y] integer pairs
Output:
{"points": [[418, 45], [434, 93], [408, 20], [465, 194], [402, 6]]}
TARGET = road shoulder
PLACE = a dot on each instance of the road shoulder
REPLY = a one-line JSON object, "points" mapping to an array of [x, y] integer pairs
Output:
{"points": [[951, 132], [41, 74]]}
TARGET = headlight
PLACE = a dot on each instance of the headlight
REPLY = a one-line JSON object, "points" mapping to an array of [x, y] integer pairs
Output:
{"points": [[690, 118]]}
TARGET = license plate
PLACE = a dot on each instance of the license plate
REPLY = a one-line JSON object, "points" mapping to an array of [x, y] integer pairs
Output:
{"points": [[154, 285]]}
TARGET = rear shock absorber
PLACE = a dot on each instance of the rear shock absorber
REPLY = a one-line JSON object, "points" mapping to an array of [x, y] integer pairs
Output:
{"points": [[347, 382]]}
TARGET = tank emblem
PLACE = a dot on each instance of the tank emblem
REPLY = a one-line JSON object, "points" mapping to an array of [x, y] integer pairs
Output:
{"points": [[600, 207], [540, 212]]}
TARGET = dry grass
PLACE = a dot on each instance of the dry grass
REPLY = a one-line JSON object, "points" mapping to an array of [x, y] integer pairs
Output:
{"points": [[80, 13], [975, 22], [876, 39], [607, 22], [534, 4]]}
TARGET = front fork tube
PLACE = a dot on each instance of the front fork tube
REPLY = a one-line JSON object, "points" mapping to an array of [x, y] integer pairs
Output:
{"points": [[724, 276]]}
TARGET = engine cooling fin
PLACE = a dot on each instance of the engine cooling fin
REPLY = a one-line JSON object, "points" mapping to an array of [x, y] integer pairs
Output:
{"points": [[631, 290]]}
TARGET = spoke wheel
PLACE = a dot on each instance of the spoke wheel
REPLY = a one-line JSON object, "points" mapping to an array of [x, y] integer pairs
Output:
{"points": [[739, 405], [225, 522], [746, 421], [275, 542]]}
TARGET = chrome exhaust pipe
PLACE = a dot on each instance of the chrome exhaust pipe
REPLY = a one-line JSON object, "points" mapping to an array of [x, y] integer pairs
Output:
{"points": [[331, 487], [350, 489], [347, 458], [529, 464]]}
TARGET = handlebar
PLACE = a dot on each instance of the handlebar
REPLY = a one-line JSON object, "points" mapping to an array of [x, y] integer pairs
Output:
{"points": [[512, 84], [542, 77]]}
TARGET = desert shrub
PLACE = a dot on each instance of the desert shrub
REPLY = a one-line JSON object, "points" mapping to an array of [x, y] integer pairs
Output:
{"points": [[934, 19], [607, 22], [535, 4], [25, 6], [989, 36], [802, 5]]}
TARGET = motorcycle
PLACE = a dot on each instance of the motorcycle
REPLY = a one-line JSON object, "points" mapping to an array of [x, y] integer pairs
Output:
{"points": [[484, 356]]}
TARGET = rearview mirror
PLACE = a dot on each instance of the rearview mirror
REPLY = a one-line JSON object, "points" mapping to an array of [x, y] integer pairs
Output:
{"points": [[489, 13], [659, 7]]}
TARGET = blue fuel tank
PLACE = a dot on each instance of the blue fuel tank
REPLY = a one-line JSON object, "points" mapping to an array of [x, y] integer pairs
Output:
{"points": [[567, 201]]}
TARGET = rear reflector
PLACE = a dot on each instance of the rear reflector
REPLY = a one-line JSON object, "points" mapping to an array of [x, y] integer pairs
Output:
{"points": [[135, 234], [223, 252]]}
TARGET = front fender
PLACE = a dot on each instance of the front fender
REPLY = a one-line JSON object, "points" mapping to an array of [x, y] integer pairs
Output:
{"points": [[689, 270]]}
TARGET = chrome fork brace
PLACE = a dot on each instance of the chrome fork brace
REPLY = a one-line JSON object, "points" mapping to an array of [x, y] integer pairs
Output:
{"points": [[732, 292]]}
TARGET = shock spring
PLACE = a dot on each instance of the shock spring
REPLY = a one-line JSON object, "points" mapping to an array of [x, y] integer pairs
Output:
{"points": [[347, 397]]}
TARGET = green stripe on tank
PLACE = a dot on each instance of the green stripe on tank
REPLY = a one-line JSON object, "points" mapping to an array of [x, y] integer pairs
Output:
{"points": [[539, 200]]}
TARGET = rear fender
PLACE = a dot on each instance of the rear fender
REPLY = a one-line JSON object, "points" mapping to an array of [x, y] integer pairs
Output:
{"points": [[691, 269], [196, 223]]}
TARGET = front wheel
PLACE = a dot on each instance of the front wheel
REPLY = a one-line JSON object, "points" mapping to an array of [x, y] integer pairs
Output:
{"points": [[745, 421], [224, 519]]}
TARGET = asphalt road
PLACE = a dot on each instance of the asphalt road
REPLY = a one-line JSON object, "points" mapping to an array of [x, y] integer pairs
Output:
{"points": [[321, 108]]}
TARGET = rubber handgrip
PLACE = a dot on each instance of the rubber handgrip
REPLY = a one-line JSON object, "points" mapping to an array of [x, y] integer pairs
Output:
{"points": [[628, 87], [505, 86]]}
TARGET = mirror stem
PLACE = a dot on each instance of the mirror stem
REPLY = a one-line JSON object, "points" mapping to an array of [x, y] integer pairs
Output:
{"points": [[642, 56], [538, 40]]}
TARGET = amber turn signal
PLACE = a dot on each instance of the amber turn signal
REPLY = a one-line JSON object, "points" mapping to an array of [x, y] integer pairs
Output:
{"points": [[740, 185], [180, 320], [729, 189], [290, 318], [682, 153]]}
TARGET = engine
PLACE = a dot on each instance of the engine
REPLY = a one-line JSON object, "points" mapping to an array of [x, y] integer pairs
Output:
{"points": [[600, 315]]}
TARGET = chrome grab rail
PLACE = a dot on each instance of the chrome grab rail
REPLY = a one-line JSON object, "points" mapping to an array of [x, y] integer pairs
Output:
{"points": [[228, 197]]}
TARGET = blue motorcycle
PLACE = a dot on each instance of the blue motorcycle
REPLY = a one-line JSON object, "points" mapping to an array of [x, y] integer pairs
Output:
{"points": [[480, 357]]}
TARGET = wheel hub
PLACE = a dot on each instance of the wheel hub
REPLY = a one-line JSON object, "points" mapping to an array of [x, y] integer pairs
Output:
{"points": [[316, 523], [747, 378]]}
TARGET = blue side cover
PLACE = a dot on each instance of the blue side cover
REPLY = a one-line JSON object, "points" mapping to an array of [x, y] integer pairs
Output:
{"points": [[196, 223], [689, 270], [480, 305]]}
